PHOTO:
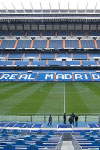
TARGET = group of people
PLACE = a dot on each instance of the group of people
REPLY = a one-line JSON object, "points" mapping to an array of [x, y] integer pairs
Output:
{"points": [[72, 119]]}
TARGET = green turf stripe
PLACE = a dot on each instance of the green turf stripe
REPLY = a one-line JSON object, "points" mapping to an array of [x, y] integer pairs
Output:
{"points": [[92, 97], [96, 83], [10, 87], [26, 98], [5, 84], [40, 96], [53, 102], [20, 97], [94, 87], [32, 99], [74, 99], [13, 96]]}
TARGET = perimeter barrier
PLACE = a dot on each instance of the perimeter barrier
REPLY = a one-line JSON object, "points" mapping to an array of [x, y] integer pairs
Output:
{"points": [[28, 117]]}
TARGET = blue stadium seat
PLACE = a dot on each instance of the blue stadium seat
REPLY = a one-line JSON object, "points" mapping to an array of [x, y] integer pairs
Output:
{"points": [[23, 44], [40, 44], [63, 33], [20, 142], [8, 44], [98, 43], [64, 126], [21, 63], [32, 55], [37, 125], [80, 56], [78, 33], [32, 147], [57, 44], [18, 33], [58, 63], [33, 33], [71, 43], [94, 55], [15, 55], [48, 33], [39, 63], [63, 55], [4, 33], [69, 63], [5, 63], [9, 147], [87, 44], [93, 125], [47, 56], [89, 63]]}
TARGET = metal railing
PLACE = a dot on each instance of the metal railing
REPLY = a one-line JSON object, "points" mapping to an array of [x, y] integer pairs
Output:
{"points": [[25, 117], [75, 144]]}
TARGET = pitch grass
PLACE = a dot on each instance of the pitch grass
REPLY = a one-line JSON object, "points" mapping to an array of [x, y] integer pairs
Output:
{"points": [[44, 97]]}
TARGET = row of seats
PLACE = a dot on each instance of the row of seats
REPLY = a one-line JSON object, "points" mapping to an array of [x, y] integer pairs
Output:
{"points": [[50, 77], [49, 33], [48, 55], [50, 63], [86, 141], [27, 125], [28, 141], [20, 125], [53, 44]]}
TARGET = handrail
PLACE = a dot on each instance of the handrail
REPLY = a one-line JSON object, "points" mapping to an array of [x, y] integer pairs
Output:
{"points": [[44, 117]]}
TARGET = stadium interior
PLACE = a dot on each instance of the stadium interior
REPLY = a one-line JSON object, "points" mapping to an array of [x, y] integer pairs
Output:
{"points": [[57, 48], [49, 45]]}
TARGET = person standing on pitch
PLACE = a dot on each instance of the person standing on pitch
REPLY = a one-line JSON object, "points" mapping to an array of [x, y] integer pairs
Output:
{"points": [[50, 121], [73, 116], [64, 118], [71, 120], [76, 120]]}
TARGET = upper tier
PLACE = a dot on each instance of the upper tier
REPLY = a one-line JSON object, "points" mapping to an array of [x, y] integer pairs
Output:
{"points": [[51, 44], [50, 33]]}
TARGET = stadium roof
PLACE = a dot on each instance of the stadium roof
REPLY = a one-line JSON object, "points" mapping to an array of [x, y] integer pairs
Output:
{"points": [[50, 5]]}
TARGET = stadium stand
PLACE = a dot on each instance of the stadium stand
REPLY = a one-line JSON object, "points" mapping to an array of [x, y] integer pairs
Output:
{"points": [[15, 55], [87, 44], [80, 56], [8, 44], [21, 63], [36, 141], [23, 44], [71, 44], [86, 140], [40, 44], [98, 43], [49, 33], [47, 56], [55, 45]]}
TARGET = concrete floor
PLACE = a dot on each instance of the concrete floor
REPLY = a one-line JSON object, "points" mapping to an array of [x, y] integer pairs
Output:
{"points": [[67, 145]]}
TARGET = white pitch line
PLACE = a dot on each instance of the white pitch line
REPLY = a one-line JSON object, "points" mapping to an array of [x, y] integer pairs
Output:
{"points": [[64, 99]]}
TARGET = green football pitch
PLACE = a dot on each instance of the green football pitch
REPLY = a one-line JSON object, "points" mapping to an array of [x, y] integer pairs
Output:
{"points": [[29, 97]]}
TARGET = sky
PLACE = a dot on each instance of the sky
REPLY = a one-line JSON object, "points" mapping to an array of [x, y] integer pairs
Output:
{"points": [[36, 4]]}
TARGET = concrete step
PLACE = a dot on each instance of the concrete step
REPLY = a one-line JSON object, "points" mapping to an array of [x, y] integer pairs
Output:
{"points": [[67, 145]]}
